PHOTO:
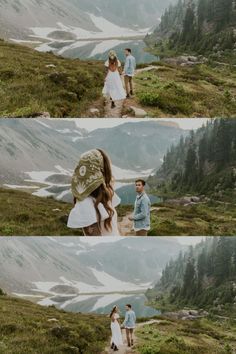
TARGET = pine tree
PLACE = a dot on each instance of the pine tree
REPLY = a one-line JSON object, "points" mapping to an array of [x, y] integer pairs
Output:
{"points": [[191, 165], [188, 288], [222, 144], [201, 14], [201, 269], [189, 31], [223, 259]]}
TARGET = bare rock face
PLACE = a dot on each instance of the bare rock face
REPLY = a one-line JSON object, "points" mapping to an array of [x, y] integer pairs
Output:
{"points": [[186, 60], [185, 315], [186, 201]]}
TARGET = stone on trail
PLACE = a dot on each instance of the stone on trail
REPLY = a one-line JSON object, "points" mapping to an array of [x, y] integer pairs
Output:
{"points": [[94, 112], [50, 66], [44, 115], [195, 199], [138, 112]]}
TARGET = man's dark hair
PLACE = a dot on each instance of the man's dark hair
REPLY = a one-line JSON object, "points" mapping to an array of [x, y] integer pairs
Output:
{"points": [[129, 306], [129, 50], [142, 181]]}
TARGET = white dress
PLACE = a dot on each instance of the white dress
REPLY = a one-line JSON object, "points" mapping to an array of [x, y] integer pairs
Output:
{"points": [[116, 332], [84, 214], [113, 85]]}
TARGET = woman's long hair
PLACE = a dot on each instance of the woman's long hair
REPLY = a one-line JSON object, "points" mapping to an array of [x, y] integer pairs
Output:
{"points": [[113, 63], [113, 311], [104, 193]]}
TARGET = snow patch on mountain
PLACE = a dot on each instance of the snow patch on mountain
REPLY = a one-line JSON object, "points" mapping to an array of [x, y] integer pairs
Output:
{"points": [[105, 30]]}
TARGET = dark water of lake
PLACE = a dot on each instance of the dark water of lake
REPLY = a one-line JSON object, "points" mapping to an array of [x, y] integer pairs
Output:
{"points": [[99, 50], [128, 195], [103, 304]]}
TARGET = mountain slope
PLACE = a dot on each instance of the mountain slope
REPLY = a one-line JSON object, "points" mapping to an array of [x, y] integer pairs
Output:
{"points": [[203, 163], [204, 26], [36, 329], [23, 214], [204, 276], [137, 145], [18, 16], [70, 263], [40, 145], [42, 82]]}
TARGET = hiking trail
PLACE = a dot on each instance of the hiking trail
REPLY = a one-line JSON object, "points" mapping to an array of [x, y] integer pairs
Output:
{"points": [[124, 349]]}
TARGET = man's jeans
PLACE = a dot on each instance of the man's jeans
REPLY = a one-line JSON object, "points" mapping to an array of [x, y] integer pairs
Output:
{"points": [[128, 84]]}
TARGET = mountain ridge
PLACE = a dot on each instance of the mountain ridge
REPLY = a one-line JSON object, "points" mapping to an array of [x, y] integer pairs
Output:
{"points": [[18, 17], [27, 261], [40, 145]]}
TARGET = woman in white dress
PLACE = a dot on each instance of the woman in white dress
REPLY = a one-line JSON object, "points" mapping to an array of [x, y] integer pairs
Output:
{"points": [[116, 339], [113, 87], [95, 201]]}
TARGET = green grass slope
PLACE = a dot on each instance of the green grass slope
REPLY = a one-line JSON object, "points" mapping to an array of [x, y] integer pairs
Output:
{"points": [[185, 337], [29, 328], [198, 91], [211, 219], [33, 82], [22, 214]]}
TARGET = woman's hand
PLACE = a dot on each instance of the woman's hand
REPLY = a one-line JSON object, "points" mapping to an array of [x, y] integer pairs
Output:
{"points": [[92, 230]]}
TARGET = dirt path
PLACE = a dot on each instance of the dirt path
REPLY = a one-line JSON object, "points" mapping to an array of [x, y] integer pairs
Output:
{"points": [[147, 68], [126, 225], [113, 112], [125, 349]]}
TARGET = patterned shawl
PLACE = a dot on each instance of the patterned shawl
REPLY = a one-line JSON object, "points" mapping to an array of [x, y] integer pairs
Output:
{"points": [[88, 175]]}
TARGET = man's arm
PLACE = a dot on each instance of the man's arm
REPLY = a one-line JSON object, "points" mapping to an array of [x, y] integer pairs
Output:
{"points": [[144, 211], [125, 66], [130, 64], [126, 320]]}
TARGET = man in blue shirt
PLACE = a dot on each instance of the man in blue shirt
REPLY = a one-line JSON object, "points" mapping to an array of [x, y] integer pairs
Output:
{"points": [[141, 216], [129, 324], [129, 70]]}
